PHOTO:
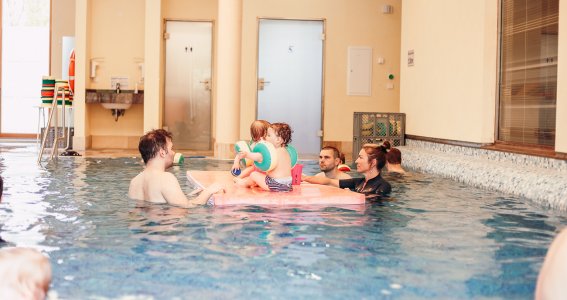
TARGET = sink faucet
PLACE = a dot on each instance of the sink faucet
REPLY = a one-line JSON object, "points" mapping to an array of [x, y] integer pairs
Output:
{"points": [[118, 87]]}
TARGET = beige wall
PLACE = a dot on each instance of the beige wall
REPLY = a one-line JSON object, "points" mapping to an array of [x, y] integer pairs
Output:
{"points": [[81, 140], [348, 23], [153, 102], [116, 36], [449, 93], [113, 32], [561, 116], [228, 83], [116, 40], [194, 10], [62, 24], [105, 124]]}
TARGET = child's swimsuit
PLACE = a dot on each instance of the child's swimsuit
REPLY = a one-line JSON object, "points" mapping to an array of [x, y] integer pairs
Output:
{"points": [[279, 184]]}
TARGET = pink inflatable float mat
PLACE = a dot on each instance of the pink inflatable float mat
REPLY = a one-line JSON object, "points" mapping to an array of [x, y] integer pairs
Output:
{"points": [[303, 194]]}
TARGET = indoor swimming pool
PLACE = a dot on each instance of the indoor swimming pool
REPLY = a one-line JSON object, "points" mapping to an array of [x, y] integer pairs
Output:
{"points": [[434, 238]]}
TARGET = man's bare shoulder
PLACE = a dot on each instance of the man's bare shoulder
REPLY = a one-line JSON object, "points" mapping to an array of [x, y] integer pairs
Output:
{"points": [[163, 179], [136, 189], [169, 177], [137, 178], [154, 175]]}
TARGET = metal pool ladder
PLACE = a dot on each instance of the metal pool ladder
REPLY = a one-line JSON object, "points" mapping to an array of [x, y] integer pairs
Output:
{"points": [[53, 114]]}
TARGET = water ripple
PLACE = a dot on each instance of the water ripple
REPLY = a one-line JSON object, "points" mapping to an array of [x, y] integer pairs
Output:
{"points": [[434, 238]]}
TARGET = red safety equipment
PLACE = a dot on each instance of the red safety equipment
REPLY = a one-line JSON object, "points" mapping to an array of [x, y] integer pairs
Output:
{"points": [[72, 71]]}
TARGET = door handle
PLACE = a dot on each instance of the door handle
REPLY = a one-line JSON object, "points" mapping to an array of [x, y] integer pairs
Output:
{"points": [[262, 83], [207, 84]]}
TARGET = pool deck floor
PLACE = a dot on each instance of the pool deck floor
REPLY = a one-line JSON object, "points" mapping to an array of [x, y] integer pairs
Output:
{"points": [[116, 153], [105, 153]]}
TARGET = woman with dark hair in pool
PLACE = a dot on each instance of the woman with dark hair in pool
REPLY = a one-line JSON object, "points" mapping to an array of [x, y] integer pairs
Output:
{"points": [[371, 159]]}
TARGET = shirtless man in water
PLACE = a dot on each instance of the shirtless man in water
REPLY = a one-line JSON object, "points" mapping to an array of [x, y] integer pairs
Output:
{"points": [[156, 185], [329, 160], [551, 279]]}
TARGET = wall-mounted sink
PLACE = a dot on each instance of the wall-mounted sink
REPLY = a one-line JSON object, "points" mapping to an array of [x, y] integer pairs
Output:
{"points": [[110, 96], [116, 105], [117, 109]]}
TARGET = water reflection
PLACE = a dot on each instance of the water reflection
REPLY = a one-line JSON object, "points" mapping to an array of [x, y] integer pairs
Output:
{"points": [[23, 211], [157, 222], [519, 232], [433, 238], [264, 229]]}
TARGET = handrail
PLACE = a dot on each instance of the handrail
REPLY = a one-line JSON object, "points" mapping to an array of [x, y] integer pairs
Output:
{"points": [[59, 88]]}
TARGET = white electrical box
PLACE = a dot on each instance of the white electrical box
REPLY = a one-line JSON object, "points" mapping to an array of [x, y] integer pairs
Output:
{"points": [[359, 68]]}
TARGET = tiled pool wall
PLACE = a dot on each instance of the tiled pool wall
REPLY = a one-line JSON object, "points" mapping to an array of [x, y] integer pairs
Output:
{"points": [[540, 179]]}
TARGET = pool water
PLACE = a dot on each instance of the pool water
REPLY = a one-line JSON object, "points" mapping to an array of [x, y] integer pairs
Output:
{"points": [[434, 238]]}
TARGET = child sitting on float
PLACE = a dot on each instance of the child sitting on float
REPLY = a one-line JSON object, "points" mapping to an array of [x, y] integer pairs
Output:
{"points": [[274, 157], [258, 132]]}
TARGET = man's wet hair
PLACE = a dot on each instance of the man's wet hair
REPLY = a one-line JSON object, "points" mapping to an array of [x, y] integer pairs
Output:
{"points": [[394, 156], [336, 153], [152, 142]]}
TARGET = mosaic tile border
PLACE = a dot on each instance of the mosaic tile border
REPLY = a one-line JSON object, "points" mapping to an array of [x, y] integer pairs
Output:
{"points": [[542, 180], [521, 159]]}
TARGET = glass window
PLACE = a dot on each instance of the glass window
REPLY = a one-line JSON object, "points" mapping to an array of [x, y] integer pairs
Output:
{"points": [[25, 59], [528, 77]]}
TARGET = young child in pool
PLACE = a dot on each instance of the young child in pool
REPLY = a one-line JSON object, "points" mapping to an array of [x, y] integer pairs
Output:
{"points": [[258, 132], [279, 178], [25, 274]]}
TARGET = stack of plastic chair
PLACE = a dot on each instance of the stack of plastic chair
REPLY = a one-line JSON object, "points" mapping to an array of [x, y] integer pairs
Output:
{"points": [[67, 92], [47, 90]]}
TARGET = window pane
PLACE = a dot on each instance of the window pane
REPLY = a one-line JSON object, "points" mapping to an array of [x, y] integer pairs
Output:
{"points": [[25, 59], [528, 79]]}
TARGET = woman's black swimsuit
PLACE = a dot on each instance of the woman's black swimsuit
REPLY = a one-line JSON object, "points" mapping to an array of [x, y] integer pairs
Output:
{"points": [[375, 188]]}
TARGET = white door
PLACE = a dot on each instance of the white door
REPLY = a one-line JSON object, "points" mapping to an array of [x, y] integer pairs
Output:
{"points": [[188, 52], [290, 72]]}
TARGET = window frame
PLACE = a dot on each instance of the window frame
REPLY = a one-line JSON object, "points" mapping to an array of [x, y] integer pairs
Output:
{"points": [[518, 147]]}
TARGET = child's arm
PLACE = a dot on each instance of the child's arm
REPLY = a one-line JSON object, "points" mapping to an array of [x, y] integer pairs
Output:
{"points": [[246, 172], [251, 155], [236, 164]]}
